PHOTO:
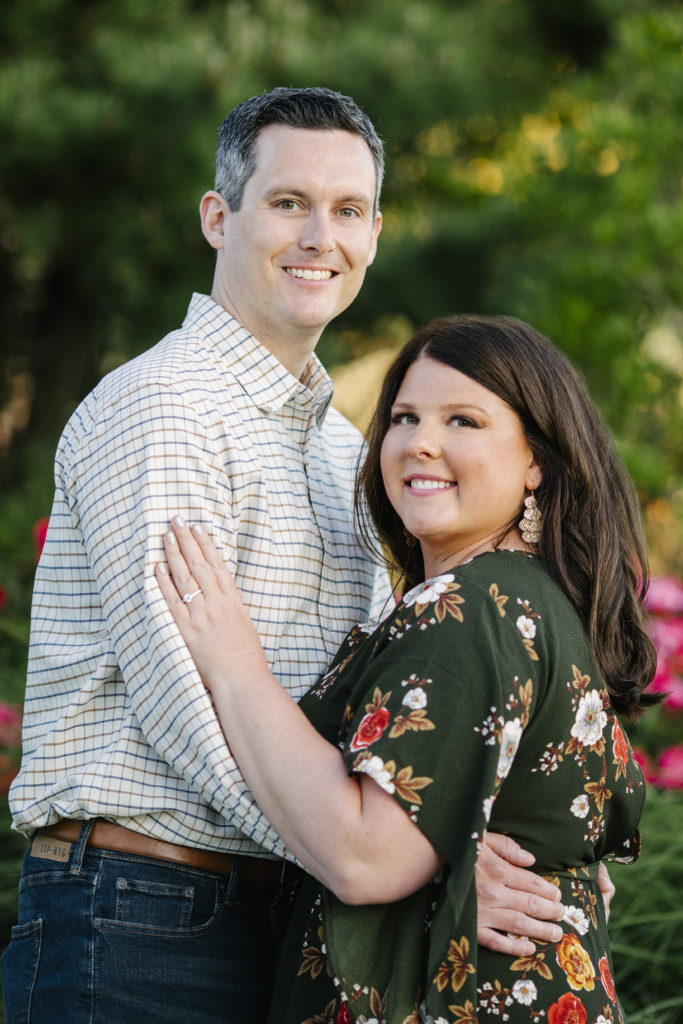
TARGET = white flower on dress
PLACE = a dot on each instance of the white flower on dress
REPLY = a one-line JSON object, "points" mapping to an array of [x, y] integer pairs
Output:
{"points": [[580, 806], [487, 808], [426, 1017], [590, 719], [374, 767], [509, 741], [526, 626], [524, 991], [415, 699], [429, 591], [576, 918]]}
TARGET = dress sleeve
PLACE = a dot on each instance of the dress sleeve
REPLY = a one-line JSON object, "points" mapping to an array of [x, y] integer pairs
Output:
{"points": [[438, 716], [440, 712]]}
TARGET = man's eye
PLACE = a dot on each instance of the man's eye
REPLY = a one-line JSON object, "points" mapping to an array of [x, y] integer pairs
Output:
{"points": [[348, 212], [287, 204]]}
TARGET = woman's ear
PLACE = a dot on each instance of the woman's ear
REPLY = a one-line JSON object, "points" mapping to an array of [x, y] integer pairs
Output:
{"points": [[534, 477]]}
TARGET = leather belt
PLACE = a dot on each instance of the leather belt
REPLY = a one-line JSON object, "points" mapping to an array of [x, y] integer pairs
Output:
{"points": [[106, 835]]}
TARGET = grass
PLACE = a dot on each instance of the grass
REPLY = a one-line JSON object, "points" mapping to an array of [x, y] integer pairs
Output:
{"points": [[646, 925]]}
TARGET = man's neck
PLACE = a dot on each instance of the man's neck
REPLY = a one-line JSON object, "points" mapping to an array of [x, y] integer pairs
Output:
{"points": [[295, 355]]}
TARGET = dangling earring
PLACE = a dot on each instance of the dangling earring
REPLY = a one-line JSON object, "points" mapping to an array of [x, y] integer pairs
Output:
{"points": [[530, 524], [410, 540]]}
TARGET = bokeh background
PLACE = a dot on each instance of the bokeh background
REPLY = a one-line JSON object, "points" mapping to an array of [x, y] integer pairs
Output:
{"points": [[533, 168]]}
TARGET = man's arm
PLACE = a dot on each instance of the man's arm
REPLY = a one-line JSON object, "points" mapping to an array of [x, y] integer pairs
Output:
{"points": [[512, 901], [153, 452]]}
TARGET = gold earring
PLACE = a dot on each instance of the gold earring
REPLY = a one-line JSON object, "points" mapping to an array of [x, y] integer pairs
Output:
{"points": [[410, 540], [530, 523]]}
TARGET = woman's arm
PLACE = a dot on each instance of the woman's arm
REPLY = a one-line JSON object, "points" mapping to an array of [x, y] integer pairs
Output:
{"points": [[339, 827]]}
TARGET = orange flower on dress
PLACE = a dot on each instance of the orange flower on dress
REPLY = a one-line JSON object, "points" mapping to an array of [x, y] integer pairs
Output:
{"points": [[575, 962], [606, 978], [567, 1010], [619, 748]]}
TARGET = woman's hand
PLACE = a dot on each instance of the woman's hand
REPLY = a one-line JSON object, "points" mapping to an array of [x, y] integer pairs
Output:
{"points": [[207, 608]]}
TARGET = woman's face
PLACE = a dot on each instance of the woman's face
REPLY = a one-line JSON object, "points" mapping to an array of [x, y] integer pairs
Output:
{"points": [[455, 464]]}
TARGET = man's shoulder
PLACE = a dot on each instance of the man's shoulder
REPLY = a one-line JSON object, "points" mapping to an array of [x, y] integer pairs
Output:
{"points": [[336, 430]]}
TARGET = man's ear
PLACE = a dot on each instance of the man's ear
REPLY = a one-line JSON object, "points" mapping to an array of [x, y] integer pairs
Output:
{"points": [[213, 212], [377, 227]]}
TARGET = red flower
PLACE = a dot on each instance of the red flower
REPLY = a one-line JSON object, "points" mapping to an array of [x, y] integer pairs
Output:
{"points": [[3, 598], [606, 979], [670, 768], [344, 1017], [8, 773], [39, 534], [370, 729], [641, 758], [620, 746], [10, 726], [567, 1010]]}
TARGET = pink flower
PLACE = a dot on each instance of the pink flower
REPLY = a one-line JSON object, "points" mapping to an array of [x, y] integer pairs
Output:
{"points": [[39, 534], [664, 596], [10, 726], [667, 635], [646, 767], [670, 765]]}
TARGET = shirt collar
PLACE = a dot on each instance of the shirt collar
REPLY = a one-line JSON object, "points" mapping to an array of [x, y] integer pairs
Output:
{"points": [[262, 377]]}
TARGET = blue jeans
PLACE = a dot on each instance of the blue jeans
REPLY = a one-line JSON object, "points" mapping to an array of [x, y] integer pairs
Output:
{"points": [[113, 938]]}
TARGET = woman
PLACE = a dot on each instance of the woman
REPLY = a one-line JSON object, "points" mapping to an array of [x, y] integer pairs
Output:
{"points": [[487, 698]]}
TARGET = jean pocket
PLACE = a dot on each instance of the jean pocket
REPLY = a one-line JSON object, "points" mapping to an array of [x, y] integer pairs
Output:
{"points": [[20, 969], [154, 904]]}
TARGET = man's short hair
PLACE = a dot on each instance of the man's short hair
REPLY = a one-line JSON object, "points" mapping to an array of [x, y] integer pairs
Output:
{"points": [[316, 108]]}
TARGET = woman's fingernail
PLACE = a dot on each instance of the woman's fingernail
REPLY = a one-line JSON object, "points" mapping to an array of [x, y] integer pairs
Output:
{"points": [[170, 538], [179, 521], [196, 528]]}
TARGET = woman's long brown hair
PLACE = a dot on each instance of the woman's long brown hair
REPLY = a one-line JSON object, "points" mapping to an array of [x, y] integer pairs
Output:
{"points": [[592, 540]]}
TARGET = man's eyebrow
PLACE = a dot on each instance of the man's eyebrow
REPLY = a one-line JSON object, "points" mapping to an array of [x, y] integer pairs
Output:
{"points": [[284, 190]]}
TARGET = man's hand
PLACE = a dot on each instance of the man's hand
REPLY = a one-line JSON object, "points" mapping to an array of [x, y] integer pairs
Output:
{"points": [[606, 887], [513, 900]]}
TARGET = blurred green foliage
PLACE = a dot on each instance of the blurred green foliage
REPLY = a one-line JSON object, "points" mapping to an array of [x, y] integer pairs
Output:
{"points": [[533, 168]]}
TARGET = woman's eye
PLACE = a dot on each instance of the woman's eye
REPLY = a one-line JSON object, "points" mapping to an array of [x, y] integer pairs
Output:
{"points": [[463, 421], [404, 417]]}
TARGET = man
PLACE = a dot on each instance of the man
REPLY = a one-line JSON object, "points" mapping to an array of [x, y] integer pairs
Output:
{"points": [[148, 887]]}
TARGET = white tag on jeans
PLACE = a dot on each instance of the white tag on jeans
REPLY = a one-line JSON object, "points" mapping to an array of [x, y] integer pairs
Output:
{"points": [[51, 849]]}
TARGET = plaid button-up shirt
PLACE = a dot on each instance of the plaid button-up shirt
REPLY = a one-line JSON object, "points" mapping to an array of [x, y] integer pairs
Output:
{"points": [[210, 425]]}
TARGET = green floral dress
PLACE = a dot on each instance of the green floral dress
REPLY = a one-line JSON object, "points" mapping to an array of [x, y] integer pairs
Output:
{"points": [[476, 704]]}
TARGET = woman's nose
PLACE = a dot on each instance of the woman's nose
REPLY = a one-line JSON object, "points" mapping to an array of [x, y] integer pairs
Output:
{"points": [[423, 443]]}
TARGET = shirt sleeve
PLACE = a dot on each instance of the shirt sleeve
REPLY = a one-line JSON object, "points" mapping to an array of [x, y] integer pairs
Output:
{"points": [[153, 456]]}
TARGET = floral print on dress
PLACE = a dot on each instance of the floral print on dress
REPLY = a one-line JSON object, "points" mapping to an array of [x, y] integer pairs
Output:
{"points": [[406, 719]]}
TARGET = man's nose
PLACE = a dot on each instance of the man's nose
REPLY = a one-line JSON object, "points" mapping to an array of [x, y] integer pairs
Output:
{"points": [[318, 235]]}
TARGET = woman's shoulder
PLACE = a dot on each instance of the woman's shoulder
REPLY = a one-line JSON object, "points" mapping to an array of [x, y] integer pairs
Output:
{"points": [[514, 572]]}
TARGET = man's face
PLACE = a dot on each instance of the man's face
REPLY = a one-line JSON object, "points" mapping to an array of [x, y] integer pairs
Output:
{"points": [[294, 255]]}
